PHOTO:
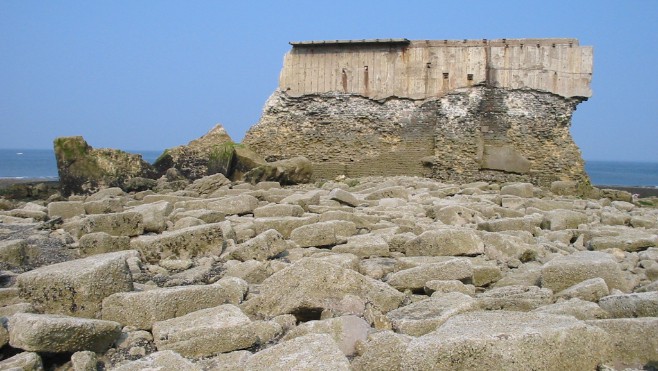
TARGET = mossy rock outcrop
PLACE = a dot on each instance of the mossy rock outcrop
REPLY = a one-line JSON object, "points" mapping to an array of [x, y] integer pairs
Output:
{"points": [[213, 153], [83, 169]]}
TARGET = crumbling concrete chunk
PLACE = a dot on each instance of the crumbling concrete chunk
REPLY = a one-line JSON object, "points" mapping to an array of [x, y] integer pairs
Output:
{"points": [[322, 233], [383, 351], [262, 247], [126, 223]]}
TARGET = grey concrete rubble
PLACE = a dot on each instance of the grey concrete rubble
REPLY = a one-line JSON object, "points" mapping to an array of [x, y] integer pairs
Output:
{"points": [[373, 273]]}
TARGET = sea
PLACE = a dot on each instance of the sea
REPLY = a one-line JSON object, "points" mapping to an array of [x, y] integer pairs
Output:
{"points": [[40, 164]]}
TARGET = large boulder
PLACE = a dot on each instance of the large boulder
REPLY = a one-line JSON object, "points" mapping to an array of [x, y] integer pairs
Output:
{"points": [[211, 331], [310, 286], [345, 330], [57, 333], [77, 287], [23, 361], [416, 277], [565, 271], [210, 154], [445, 242], [83, 169], [634, 344], [162, 360], [141, 309], [184, 243], [501, 340], [311, 352], [296, 170]]}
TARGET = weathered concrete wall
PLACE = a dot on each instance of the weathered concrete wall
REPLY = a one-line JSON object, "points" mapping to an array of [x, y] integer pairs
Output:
{"points": [[425, 69], [509, 123]]}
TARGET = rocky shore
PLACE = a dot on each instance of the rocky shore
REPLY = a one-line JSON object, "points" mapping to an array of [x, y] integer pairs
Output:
{"points": [[372, 273]]}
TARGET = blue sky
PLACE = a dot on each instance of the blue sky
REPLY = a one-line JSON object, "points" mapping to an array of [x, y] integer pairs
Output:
{"points": [[155, 74]]}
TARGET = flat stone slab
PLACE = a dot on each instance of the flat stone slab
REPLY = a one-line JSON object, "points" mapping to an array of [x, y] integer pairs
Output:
{"points": [[312, 285], [502, 340], [310, 352], [56, 333], [565, 271], [634, 341], [211, 331], [425, 316], [445, 242], [184, 243], [415, 278], [345, 330], [77, 287], [634, 305], [162, 360], [142, 309]]}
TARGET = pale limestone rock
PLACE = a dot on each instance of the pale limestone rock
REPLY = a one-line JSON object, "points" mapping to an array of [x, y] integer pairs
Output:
{"points": [[154, 215], [25, 361], [634, 343], [516, 298], [164, 360], [126, 223], [456, 215], [17, 253], [207, 216], [415, 278], [510, 341], [383, 351], [101, 243], [303, 199], [591, 290], [65, 209], [284, 225], [208, 184], [445, 242], [142, 309], [104, 206], [376, 268], [359, 219], [527, 223], [311, 284], [346, 331], [57, 333], [11, 309], [84, 361], [581, 309], [262, 247], [634, 305], [344, 197], [518, 189], [446, 286], [322, 233], [278, 210], [4, 334], [389, 192], [211, 331], [311, 352], [184, 243], [187, 222], [631, 242], [425, 316], [77, 287], [226, 361], [364, 246], [485, 274], [565, 271], [238, 205], [556, 220]]}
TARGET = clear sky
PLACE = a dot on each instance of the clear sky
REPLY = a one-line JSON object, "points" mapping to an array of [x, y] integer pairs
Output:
{"points": [[156, 74]]}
